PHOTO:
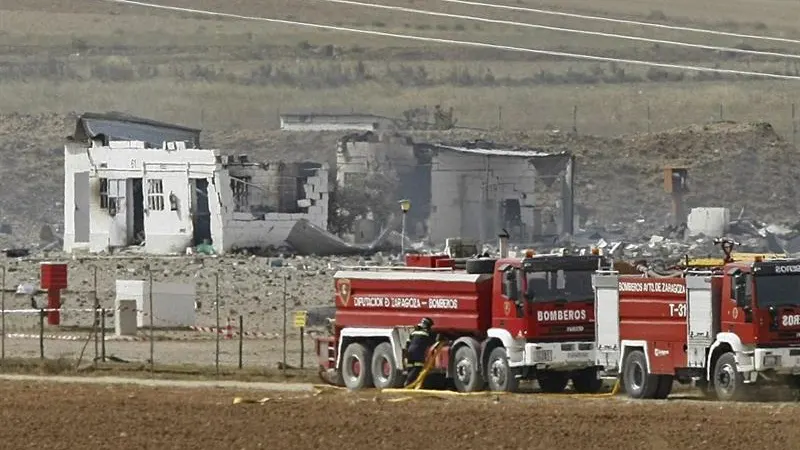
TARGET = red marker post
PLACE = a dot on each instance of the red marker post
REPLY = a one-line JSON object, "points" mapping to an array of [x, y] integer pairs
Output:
{"points": [[53, 279]]}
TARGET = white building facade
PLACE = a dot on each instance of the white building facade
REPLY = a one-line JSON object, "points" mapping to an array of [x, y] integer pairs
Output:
{"points": [[167, 199]]}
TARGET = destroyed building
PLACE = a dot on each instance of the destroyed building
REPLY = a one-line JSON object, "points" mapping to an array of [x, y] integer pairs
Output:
{"points": [[132, 181], [310, 121], [472, 190]]}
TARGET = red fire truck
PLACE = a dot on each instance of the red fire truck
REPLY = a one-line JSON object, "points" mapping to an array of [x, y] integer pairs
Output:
{"points": [[501, 320], [728, 328]]}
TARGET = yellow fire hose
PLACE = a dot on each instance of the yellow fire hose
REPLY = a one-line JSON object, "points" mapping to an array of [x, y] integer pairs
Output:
{"points": [[429, 362]]}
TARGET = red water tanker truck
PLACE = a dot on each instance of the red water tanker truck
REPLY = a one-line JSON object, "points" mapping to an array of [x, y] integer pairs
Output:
{"points": [[728, 326], [501, 320]]}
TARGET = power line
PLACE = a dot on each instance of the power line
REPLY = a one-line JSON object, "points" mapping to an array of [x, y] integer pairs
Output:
{"points": [[464, 43], [627, 22], [565, 30]]}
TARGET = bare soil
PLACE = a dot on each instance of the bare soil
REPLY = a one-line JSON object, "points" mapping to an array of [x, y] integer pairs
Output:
{"points": [[44, 415]]}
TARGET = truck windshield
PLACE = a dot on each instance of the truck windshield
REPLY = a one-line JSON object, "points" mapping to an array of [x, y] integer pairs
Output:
{"points": [[564, 285], [777, 290]]}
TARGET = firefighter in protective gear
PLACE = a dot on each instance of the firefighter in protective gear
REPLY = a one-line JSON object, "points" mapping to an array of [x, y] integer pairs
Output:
{"points": [[417, 347]]}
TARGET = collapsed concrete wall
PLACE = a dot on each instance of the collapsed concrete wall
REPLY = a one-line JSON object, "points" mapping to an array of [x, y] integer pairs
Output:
{"points": [[471, 191], [477, 193], [268, 199]]}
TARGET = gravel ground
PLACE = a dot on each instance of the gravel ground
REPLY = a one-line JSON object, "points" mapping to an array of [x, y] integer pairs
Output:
{"points": [[266, 353]]}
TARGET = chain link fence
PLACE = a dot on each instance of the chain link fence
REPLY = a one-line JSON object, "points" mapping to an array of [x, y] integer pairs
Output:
{"points": [[206, 311]]}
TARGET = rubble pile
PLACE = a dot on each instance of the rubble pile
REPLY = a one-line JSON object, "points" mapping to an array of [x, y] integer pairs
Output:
{"points": [[747, 168], [673, 243]]}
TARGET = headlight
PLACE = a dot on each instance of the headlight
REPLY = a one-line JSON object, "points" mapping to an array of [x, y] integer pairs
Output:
{"points": [[772, 361]]}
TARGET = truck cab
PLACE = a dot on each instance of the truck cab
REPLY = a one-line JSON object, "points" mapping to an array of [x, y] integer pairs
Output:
{"points": [[763, 311], [550, 297], [543, 314]]}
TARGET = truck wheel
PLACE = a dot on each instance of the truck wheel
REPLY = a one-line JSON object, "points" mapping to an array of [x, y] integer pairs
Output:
{"points": [[728, 382], [480, 265], [664, 386], [586, 382], [552, 382], [636, 378], [467, 376], [499, 376], [385, 373], [356, 365]]}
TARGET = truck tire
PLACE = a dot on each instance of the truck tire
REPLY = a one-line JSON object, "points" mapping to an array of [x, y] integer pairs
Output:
{"points": [[586, 382], [356, 365], [552, 382], [499, 376], [480, 265], [467, 375], [385, 372], [664, 386], [728, 381], [638, 381]]}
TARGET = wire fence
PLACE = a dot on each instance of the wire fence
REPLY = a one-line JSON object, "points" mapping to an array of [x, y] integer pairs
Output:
{"points": [[613, 119], [235, 313], [624, 115]]}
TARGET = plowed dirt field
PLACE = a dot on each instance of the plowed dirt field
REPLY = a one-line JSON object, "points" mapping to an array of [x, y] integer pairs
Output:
{"points": [[58, 416]]}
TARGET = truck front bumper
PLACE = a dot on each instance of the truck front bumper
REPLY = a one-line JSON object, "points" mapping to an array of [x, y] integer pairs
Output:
{"points": [[782, 361], [559, 355]]}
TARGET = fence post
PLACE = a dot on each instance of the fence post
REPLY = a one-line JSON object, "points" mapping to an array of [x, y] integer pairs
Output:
{"points": [[41, 333], [575, 119], [284, 323], [96, 318], [216, 306], [794, 124], [500, 117], [152, 337], [649, 121], [241, 339], [3, 319], [103, 334], [302, 348], [721, 116]]}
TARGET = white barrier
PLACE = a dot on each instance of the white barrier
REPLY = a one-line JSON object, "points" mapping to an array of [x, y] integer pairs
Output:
{"points": [[46, 310]]}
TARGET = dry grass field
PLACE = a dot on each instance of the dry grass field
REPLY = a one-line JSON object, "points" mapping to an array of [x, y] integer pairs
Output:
{"points": [[232, 78], [218, 73]]}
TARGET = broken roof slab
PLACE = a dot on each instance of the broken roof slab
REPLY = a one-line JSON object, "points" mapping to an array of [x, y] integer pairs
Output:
{"points": [[114, 126]]}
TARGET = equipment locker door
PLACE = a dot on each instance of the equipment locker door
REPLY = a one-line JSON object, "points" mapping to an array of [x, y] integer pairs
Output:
{"points": [[606, 320], [700, 321]]}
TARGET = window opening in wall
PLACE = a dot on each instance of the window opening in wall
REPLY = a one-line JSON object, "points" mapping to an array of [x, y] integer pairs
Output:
{"points": [[240, 186], [155, 195], [104, 193]]}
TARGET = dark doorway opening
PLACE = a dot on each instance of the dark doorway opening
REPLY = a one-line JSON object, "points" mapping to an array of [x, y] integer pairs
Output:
{"points": [[201, 218], [511, 219], [138, 212]]}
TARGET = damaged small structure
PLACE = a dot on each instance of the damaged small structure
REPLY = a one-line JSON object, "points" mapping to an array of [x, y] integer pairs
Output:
{"points": [[472, 190], [133, 181], [310, 121]]}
